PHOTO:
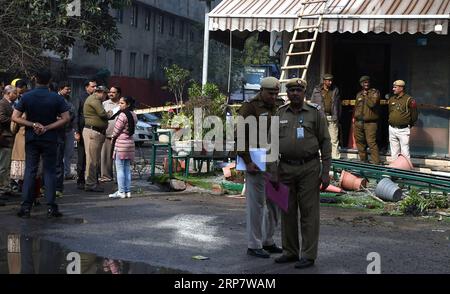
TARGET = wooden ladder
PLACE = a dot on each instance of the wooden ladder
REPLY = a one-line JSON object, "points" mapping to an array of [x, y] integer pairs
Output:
{"points": [[305, 55]]}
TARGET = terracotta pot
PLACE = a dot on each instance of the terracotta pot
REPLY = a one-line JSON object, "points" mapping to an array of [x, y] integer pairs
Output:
{"points": [[333, 189], [402, 162], [351, 182]]}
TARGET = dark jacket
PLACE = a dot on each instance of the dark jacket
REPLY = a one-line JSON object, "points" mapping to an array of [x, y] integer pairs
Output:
{"points": [[79, 116], [336, 108], [6, 110]]}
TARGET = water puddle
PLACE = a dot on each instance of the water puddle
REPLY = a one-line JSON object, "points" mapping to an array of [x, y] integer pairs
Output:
{"points": [[20, 254]]}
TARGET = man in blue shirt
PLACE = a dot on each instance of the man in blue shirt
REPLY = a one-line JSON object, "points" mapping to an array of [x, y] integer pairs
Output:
{"points": [[42, 108]]}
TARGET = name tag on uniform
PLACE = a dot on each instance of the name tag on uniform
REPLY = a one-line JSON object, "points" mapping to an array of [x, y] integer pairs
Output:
{"points": [[300, 133], [264, 114], [283, 121]]}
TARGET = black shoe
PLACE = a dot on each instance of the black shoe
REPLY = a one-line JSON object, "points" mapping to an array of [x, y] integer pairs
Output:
{"points": [[95, 189], [258, 253], [80, 186], [53, 212], [273, 249], [286, 258], [304, 263], [24, 213]]}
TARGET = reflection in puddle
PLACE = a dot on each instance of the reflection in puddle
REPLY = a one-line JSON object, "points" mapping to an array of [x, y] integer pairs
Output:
{"points": [[27, 255]]}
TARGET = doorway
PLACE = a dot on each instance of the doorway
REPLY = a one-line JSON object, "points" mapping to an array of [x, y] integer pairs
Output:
{"points": [[355, 55]]}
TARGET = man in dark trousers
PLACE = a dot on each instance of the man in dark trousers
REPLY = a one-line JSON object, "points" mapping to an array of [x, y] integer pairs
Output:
{"points": [[305, 162], [6, 137], [89, 86], [366, 115], [42, 108]]}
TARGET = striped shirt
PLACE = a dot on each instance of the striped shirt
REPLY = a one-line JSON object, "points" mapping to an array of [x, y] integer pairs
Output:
{"points": [[124, 147]]}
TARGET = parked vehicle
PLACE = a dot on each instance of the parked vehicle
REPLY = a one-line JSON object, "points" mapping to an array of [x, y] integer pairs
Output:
{"points": [[143, 133]]}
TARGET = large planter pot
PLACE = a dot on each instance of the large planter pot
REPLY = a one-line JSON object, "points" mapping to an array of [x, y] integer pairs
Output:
{"points": [[184, 147]]}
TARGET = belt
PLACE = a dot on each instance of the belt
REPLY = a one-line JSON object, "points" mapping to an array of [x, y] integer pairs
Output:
{"points": [[300, 161], [400, 127], [101, 131], [361, 120]]}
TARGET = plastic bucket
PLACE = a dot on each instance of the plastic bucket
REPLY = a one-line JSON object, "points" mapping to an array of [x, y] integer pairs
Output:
{"points": [[402, 162], [351, 182], [388, 190]]}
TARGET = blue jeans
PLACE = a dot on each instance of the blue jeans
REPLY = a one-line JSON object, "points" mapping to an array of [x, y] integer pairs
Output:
{"points": [[123, 174], [33, 152]]}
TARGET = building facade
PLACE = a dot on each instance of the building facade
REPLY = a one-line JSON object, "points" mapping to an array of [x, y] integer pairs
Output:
{"points": [[155, 34]]}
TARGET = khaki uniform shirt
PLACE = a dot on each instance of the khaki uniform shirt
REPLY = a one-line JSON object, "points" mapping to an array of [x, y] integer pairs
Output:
{"points": [[94, 113], [315, 134], [327, 101], [366, 105], [256, 107], [402, 110]]}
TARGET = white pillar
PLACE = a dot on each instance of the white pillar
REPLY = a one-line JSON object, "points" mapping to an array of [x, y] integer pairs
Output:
{"points": [[323, 54], [206, 44]]}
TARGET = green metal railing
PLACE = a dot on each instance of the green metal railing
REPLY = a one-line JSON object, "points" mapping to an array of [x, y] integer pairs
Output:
{"points": [[378, 172]]}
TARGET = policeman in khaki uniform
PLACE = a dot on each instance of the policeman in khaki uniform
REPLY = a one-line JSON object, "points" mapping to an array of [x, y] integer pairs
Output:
{"points": [[402, 116], [262, 214], [365, 120], [303, 133], [327, 96]]}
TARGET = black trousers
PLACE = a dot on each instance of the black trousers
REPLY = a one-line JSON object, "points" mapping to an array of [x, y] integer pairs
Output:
{"points": [[33, 152], [81, 162]]}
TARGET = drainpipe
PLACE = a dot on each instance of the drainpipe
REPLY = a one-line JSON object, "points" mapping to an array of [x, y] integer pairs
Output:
{"points": [[206, 43]]}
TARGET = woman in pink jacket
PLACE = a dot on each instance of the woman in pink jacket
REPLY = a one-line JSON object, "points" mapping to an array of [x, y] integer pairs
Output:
{"points": [[124, 146]]}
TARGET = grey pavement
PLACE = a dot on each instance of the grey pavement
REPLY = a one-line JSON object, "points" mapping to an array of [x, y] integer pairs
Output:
{"points": [[165, 230]]}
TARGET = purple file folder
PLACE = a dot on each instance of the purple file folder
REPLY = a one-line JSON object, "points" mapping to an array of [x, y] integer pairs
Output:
{"points": [[280, 197]]}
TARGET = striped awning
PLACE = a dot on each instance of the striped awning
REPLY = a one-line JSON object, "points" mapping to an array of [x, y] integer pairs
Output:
{"points": [[388, 16]]}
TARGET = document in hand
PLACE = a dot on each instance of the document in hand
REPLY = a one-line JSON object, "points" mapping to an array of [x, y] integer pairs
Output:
{"points": [[280, 197], [258, 156]]}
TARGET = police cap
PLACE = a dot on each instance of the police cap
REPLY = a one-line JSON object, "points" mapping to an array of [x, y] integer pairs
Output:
{"points": [[364, 78], [327, 77], [296, 82], [101, 89], [400, 83], [270, 83]]}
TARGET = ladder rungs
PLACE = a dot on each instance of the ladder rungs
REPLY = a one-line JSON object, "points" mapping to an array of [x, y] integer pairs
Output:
{"points": [[293, 67], [299, 53], [303, 41], [314, 2], [307, 27], [309, 14]]}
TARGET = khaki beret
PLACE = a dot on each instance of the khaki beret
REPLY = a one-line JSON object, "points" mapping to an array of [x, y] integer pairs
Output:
{"points": [[270, 83], [364, 78], [327, 77], [296, 82], [400, 83]]}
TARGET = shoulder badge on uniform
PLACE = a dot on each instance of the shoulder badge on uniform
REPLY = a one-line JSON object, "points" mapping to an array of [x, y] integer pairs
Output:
{"points": [[413, 103], [314, 105]]}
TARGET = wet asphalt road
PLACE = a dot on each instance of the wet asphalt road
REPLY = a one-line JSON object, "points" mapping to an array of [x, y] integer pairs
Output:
{"points": [[160, 232]]}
